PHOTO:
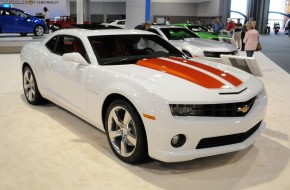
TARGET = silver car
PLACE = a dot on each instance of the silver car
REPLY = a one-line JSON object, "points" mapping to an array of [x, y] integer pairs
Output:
{"points": [[192, 45]]}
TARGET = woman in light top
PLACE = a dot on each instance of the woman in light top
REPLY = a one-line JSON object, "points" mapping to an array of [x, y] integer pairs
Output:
{"points": [[251, 39]]}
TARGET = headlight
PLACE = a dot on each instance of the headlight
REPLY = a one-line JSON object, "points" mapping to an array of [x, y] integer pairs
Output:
{"points": [[186, 110], [210, 54]]}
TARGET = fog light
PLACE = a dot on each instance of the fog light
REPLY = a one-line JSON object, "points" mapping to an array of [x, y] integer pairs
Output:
{"points": [[178, 140]]}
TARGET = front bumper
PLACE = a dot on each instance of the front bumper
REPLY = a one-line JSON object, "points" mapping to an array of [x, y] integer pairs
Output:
{"points": [[163, 129]]}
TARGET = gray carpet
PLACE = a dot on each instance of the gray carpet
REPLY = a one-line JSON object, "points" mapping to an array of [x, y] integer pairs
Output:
{"points": [[277, 48]]}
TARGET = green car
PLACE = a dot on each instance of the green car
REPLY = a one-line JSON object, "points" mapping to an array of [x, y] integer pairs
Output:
{"points": [[203, 32]]}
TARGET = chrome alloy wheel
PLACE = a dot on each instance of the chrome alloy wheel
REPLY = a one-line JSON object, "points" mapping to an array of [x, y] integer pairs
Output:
{"points": [[39, 31], [122, 131], [29, 85]]}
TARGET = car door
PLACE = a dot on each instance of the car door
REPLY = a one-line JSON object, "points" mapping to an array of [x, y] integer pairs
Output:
{"points": [[6, 21], [20, 22], [66, 80]]}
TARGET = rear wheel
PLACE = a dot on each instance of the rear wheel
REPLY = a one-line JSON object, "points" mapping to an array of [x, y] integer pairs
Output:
{"points": [[125, 132], [38, 30], [30, 88]]}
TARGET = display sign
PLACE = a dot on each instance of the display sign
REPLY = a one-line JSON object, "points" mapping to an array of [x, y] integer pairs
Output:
{"points": [[5, 5], [55, 8], [248, 64]]}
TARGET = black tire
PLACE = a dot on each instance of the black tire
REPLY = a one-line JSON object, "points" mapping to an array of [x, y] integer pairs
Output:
{"points": [[30, 87], [38, 30], [126, 136], [23, 34]]}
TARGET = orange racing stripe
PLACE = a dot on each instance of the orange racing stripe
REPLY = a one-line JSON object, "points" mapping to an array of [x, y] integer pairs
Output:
{"points": [[226, 76], [181, 71]]}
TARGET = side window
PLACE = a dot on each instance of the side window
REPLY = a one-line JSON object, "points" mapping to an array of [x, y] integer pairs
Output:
{"points": [[71, 44], [18, 13], [67, 44], [51, 43], [121, 22]]}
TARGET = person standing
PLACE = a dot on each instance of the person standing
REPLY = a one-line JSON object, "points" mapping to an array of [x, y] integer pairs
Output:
{"points": [[237, 33], [251, 39], [145, 26], [46, 17], [217, 26], [244, 30], [167, 21], [288, 25], [231, 25], [268, 28]]}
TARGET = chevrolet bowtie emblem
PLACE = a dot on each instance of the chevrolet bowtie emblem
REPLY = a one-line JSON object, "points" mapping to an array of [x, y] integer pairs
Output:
{"points": [[244, 109]]}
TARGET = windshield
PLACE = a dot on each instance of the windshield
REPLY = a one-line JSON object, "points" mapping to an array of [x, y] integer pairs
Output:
{"points": [[197, 28], [178, 33], [128, 49]]}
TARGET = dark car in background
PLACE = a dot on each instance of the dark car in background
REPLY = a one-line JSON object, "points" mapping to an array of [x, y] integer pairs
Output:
{"points": [[14, 20]]}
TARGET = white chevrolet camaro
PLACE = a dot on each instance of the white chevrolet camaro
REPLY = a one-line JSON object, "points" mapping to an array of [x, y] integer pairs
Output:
{"points": [[140, 90]]}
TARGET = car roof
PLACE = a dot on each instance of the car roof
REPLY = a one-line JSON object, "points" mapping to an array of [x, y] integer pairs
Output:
{"points": [[86, 32]]}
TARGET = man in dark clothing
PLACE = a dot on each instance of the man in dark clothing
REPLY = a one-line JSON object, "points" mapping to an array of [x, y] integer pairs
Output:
{"points": [[144, 26], [244, 30]]}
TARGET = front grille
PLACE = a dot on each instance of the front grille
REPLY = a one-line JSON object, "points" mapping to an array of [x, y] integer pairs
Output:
{"points": [[218, 54], [238, 109], [227, 139]]}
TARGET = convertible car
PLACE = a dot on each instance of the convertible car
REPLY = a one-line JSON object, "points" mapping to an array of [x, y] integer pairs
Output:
{"points": [[192, 45], [142, 91]]}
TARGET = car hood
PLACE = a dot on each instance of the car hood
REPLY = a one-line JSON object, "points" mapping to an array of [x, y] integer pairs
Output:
{"points": [[207, 45], [186, 80]]}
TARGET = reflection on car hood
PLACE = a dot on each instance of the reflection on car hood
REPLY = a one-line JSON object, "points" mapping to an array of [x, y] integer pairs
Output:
{"points": [[179, 69], [208, 45], [185, 79]]}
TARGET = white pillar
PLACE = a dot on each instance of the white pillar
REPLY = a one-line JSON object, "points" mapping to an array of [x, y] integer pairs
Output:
{"points": [[86, 10], [135, 13], [67, 7], [80, 11]]}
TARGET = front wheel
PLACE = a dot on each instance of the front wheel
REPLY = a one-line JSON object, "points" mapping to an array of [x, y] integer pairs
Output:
{"points": [[38, 30], [30, 88], [125, 132]]}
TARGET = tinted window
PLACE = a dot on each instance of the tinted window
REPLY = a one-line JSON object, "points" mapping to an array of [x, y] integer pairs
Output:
{"points": [[178, 33], [51, 44], [119, 49], [67, 44], [198, 28], [18, 13]]}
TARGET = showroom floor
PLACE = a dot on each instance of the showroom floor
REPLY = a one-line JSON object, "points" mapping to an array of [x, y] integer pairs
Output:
{"points": [[46, 147]]}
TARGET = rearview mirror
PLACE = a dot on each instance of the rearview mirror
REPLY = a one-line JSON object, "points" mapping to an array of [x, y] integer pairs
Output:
{"points": [[75, 58]]}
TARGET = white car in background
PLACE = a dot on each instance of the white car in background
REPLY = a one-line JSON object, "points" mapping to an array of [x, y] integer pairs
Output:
{"points": [[118, 23], [141, 91], [192, 45]]}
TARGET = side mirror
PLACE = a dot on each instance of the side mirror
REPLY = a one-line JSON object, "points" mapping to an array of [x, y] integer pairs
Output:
{"points": [[75, 58]]}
